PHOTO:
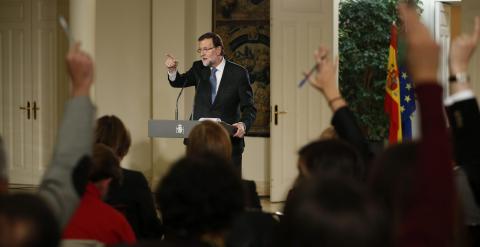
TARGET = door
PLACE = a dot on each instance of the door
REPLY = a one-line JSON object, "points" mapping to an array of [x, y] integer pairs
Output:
{"points": [[299, 114], [28, 87], [442, 36]]}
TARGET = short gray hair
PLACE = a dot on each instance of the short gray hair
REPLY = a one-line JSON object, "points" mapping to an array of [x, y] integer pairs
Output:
{"points": [[3, 161]]}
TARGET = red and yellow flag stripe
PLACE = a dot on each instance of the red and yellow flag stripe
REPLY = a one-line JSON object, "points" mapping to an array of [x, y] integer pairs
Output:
{"points": [[392, 89]]}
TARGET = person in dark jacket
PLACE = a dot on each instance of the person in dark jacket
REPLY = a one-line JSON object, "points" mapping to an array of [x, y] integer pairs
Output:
{"points": [[130, 194]]}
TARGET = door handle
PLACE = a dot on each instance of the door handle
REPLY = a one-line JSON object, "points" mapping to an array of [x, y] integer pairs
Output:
{"points": [[27, 108], [276, 113], [35, 109]]}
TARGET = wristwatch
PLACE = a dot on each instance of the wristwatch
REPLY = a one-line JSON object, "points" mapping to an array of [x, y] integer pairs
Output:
{"points": [[459, 78]]}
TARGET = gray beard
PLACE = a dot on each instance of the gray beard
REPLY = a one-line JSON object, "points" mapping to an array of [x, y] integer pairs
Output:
{"points": [[207, 63]]}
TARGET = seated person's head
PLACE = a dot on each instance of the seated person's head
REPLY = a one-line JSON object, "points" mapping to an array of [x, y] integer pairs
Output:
{"points": [[105, 167], [198, 197], [111, 131], [328, 133], [27, 221], [331, 212], [330, 157], [3, 169], [391, 177], [209, 137]]}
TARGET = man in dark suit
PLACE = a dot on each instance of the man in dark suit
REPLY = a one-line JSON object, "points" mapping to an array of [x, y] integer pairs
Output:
{"points": [[222, 89]]}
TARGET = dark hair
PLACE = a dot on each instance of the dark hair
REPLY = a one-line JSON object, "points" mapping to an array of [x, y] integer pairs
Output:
{"points": [[391, 177], [210, 137], [105, 164], [199, 195], [216, 40], [330, 212], [331, 157], [27, 221], [111, 131]]}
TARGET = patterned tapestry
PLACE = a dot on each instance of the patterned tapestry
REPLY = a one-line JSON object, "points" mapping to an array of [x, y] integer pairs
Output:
{"points": [[244, 26]]}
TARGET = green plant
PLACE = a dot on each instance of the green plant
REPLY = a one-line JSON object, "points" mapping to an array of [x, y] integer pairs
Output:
{"points": [[364, 37]]}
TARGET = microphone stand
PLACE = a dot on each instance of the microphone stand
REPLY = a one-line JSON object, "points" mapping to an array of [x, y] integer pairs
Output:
{"points": [[176, 104], [178, 97]]}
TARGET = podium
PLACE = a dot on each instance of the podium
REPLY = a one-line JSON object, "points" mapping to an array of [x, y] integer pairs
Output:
{"points": [[178, 128]]}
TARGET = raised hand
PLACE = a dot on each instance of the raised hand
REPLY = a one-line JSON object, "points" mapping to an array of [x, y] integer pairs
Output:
{"points": [[171, 63], [422, 50], [462, 49], [324, 80], [80, 69]]}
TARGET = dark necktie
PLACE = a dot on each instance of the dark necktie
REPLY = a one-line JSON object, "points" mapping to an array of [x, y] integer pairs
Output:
{"points": [[213, 83]]}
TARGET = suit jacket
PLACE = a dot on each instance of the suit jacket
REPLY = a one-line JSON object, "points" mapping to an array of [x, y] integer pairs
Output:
{"points": [[234, 100], [252, 200], [347, 128], [464, 119], [132, 196]]}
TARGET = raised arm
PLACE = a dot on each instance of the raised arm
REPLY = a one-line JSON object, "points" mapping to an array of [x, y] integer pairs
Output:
{"points": [[464, 117], [462, 106], [343, 120], [429, 221], [74, 141]]}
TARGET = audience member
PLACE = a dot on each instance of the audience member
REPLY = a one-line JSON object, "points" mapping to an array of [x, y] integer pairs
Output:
{"points": [[94, 219], [344, 123], [198, 199], [211, 137], [464, 118], [330, 212], [330, 157], [130, 194], [423, 215], [250, 228], [27, 221], [64, 180]]}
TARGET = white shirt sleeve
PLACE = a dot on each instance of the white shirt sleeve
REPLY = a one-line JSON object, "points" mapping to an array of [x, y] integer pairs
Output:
{"points": [[172, 76], [459, 96]]}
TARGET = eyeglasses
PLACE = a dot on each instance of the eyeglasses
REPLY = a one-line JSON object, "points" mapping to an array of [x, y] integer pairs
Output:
{"points": [[204, 49]]}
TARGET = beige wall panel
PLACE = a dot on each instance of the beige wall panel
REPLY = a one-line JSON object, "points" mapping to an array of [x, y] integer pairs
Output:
{"points": [[123, 72]]}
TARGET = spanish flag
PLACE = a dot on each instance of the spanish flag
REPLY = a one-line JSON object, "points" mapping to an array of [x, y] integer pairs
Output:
{"points": [[392, 88]]}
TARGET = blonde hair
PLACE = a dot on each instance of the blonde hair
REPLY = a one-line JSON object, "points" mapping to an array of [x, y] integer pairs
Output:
{"points": [[209, 137]]}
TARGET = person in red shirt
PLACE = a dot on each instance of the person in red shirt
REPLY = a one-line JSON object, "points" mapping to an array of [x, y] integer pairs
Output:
{"points": [[94, 219]]}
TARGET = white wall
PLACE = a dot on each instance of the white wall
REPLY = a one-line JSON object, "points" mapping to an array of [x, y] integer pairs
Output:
{"points": [[123, 71]]}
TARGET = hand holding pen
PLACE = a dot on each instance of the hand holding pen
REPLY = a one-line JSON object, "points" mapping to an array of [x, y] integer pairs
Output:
{"points": [[325, 78]]}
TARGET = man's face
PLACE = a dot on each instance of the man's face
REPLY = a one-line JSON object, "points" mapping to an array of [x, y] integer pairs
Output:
{"points": [[209, 54]]}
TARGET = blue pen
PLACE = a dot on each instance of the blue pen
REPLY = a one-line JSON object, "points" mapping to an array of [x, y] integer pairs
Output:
{"points": [[305, 79]]}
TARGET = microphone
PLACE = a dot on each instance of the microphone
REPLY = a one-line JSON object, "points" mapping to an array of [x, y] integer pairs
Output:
{"points": [[178, 97], [197, 79]]}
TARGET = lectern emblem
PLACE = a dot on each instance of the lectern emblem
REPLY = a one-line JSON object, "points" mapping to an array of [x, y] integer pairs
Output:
{"points": [[179, 129]]}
